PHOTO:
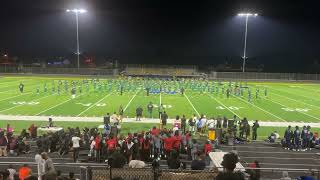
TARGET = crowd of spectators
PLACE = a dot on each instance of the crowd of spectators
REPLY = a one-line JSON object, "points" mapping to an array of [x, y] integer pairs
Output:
{"points": [[175, 144]]}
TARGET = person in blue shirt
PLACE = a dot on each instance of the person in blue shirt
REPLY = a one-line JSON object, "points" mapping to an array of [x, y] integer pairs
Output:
{"points": [[287, 137], [296, 137]]}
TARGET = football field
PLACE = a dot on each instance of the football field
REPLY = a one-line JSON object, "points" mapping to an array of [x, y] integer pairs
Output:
{"points": [[285, 102]]}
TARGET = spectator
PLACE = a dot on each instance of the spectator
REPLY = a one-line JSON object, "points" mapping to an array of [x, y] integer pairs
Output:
{"points": [[183, 124], [145, 149], [168, 145], [229, 164], [12, 172], [254, 172], [207, 147], [173, 160], [176, 139], [33, 131], [199, 163], [117, 160], [194, 149], [111, 145], [285, 176], [76, 146], [97, 148], [13, 145], [164, 118], [40, 165], [24, 172], [71, 176], [3, 144], [192, 124], [139, 111], [48, 165]]}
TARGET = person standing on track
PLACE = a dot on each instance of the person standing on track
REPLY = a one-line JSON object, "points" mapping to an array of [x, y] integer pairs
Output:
{"points": [[254, 130], [296, 137], [287, 136], [150, 109], [139, 111]]}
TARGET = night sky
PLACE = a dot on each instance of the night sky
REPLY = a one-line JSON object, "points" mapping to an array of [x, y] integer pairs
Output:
{"points": [[284, 35]]}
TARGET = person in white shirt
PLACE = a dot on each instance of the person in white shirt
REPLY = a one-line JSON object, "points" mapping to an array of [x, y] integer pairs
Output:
{"points": [[40, 165], [76, 147], [12, 172]]}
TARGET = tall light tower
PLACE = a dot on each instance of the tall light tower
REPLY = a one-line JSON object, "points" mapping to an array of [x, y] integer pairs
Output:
{"points": [[247, 15], [77, 12]]}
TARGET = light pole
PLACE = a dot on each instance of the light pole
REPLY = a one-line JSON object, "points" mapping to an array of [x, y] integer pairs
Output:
{"points": [[247, 15], [76, 12]]}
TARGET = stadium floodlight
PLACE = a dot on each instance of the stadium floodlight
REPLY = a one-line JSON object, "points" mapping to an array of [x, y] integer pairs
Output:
{"points": [[247, 15], [76, 12]]}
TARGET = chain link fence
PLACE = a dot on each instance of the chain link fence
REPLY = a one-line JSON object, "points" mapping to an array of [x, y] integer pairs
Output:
{"points": [[103, 173], [264, 76]]}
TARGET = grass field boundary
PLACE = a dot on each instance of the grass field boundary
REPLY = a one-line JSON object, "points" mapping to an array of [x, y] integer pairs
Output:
{"points": [[15, 96], [224, 106], [261, 109], [128, 104], [185, 95], [287, 106], [22, 104], [94, 104]]}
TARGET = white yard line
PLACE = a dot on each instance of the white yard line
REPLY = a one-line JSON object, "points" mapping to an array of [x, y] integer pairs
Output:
{"points": [[94, 104], [261, 109], [125, 108], [225, 106], [15, 96], [287, 106], [30, 100], [160, 100], [294, 100], [53, 107], [185, 95]]}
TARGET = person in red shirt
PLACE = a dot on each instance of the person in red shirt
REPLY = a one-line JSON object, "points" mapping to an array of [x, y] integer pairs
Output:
{"points": [[168, 145], [111, 145], [97, 148], [24, 172], [207, 147], [154, 131], [177, 141]]}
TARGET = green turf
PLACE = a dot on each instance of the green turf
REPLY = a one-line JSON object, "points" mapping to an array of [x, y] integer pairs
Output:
{"points": [[299, 102]]}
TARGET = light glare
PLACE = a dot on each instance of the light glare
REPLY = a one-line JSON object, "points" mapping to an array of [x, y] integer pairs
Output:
{"points": [[77, 10], [248, 14]]}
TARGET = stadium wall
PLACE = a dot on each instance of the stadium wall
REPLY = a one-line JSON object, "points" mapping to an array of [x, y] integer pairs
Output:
{"points": [[260, 76]]}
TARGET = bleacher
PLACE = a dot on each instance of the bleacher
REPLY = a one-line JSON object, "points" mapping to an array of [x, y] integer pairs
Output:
{"points": [[161, 70]]}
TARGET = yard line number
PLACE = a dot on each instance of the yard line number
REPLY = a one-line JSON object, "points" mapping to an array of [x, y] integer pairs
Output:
{"points": [[235, 108]]}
